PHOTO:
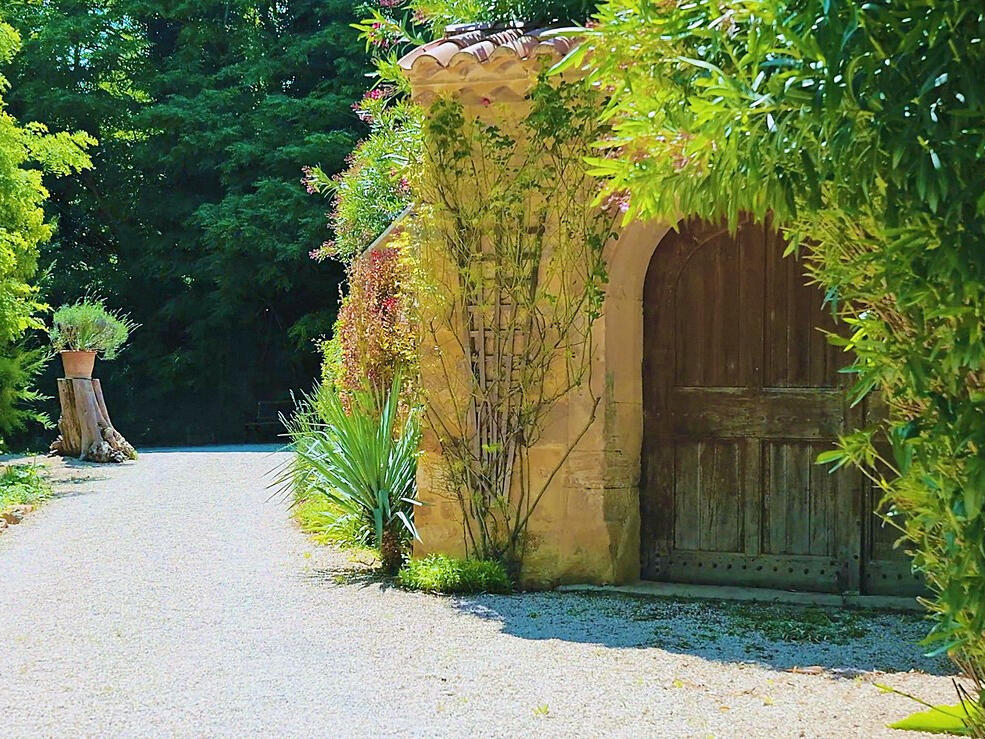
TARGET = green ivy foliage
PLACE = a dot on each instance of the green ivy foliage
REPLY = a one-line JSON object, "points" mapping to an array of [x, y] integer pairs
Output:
{"points": [[860, 129], [26, 152]]}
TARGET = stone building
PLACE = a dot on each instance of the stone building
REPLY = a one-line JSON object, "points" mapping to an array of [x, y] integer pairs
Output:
{"points": [[717, 391]]}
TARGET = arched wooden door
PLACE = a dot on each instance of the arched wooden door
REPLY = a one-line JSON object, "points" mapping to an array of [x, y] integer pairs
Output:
{"points": [[741, 393]]}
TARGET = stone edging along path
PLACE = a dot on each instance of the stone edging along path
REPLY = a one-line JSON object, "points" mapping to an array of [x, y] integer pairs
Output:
{"points": [[14, 514]]}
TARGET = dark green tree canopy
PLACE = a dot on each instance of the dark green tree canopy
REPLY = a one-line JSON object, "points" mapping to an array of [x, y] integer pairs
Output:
{"points": [[194, 219]]}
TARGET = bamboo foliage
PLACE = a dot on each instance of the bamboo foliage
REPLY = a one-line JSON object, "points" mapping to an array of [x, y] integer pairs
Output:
{"points": [[857, 129], [512, 250]]}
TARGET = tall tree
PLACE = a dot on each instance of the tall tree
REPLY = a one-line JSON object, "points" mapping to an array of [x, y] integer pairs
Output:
{"points": [[195, 220], [25, 153]]}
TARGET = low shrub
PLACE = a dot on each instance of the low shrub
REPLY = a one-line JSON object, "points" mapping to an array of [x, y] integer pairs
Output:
{"points": [[373, 190], [375, 330], [19, 366], [327, 523], [438, 573], [22, 484]]}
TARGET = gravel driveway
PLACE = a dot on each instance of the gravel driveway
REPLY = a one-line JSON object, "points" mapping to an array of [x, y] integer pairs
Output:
{"points": [[172, 596]]}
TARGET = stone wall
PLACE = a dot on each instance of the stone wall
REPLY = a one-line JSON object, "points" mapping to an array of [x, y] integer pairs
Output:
{"points": [[586, 527]]}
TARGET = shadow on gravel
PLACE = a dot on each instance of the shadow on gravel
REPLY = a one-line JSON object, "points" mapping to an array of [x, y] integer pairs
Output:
{"points": [[76, 464], [70, 474], [73, 493], [215, 449], [837, 642], [349, 575]]}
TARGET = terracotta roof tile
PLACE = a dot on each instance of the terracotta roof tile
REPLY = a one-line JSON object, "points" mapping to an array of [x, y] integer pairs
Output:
{"points": [[468, 46]]}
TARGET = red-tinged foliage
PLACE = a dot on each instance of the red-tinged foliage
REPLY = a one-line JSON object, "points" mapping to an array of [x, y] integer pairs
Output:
{"points": [[375, 328]]}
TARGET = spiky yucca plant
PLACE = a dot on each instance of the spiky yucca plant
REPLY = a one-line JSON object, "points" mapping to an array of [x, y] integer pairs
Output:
{"points": [[363, 458]]}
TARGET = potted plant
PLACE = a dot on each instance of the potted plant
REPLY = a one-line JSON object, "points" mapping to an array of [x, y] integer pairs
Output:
{"points": [[84, 329]]}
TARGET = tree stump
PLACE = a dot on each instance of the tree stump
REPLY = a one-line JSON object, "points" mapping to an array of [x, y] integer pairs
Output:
{"points": [[86, 431]]}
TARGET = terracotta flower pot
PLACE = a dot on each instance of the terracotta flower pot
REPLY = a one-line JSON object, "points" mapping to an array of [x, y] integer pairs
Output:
{"points": [[78, 364]]}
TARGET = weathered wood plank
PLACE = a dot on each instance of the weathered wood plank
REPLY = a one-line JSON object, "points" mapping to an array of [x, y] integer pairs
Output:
{"points": [[794, 413]]}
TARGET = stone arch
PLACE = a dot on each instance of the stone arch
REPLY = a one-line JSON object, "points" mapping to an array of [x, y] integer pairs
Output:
{"points": [[608, 460], [628, 259]]}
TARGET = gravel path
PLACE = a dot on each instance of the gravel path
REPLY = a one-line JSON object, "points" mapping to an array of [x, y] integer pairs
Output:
{"points": [[172, 596]]}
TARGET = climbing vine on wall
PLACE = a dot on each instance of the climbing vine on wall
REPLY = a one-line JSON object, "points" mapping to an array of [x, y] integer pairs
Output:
{"points": [[513, 252]]}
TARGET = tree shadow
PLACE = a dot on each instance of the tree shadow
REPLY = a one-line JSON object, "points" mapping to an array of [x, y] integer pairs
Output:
{"points": [[263, 448], [838, 642], [77, 492], [68, 479], [82, 464], [343, 575]]}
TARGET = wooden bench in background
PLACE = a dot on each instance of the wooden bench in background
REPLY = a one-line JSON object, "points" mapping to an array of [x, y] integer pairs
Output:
{"points": [[267, 426]]}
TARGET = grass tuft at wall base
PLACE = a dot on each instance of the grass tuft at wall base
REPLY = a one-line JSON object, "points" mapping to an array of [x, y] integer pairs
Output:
{"points": [[438, 573]]}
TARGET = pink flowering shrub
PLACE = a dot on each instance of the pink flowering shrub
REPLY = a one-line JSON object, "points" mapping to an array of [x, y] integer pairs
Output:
{"points": [[372, 191]]}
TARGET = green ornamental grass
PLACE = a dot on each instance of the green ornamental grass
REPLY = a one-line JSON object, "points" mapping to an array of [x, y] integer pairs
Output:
{"points": [[361, 458], [327, 523]]}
